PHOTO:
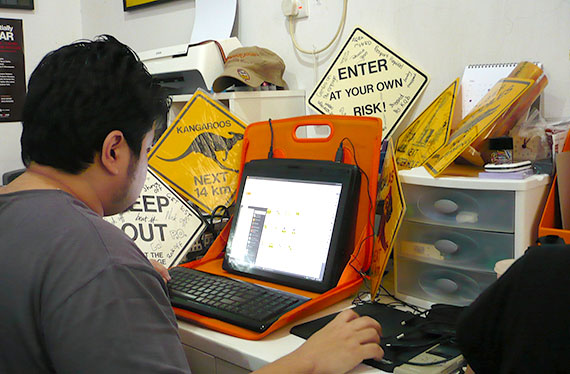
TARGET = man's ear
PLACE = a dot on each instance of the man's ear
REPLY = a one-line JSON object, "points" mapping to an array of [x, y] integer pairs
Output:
{"points": [[113, 152]]}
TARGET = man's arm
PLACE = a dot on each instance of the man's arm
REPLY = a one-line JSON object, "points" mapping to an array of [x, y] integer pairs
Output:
{"points": [[119, 322], [338, 347]]}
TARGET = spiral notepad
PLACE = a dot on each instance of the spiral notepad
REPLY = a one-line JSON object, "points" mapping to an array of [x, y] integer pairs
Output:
{"points": [[478, 79]]}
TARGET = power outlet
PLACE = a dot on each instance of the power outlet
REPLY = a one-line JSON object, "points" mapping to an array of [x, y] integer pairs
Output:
{"points": [[295, 8], [303, 7]]}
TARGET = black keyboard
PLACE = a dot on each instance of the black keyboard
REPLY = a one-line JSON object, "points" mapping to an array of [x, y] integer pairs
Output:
{"points": [[231, 300]]}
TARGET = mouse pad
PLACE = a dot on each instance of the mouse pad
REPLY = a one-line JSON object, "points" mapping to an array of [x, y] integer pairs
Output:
{"points": [[391, 320]]}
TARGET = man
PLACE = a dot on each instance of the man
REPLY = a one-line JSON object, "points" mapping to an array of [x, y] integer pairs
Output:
{"points": [[520, 323], [77, 295]]}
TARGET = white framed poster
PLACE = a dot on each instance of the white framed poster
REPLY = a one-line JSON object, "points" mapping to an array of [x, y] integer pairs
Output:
{"points": [[12, 71]]}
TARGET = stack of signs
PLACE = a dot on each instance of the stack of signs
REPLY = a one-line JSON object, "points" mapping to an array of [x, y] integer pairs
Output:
{"points": [[496, 102], [163, 225], [369, 79], [199, 154], [390, 206]]}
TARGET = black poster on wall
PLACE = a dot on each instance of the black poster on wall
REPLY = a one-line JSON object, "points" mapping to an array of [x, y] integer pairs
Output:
{"points": [[12, 72]]}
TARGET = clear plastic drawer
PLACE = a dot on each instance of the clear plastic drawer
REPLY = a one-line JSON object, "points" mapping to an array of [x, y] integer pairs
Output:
{"points": [[448, 246], [473, 209], [440, 284]]}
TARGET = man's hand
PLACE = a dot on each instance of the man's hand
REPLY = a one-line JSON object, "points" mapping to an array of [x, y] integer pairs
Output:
{"points": [[162, 270], [337, 348]]}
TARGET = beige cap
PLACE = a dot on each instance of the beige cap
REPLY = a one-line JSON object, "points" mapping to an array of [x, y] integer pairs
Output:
{"points": [[252, 66]]}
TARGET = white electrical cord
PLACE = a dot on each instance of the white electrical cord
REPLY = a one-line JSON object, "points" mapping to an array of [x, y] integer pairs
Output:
{"points": [[315, 52]]}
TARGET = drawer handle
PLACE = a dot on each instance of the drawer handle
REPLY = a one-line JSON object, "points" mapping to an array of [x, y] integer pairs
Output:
{"points": [[446, 246], [446, 285], [445, 206]]}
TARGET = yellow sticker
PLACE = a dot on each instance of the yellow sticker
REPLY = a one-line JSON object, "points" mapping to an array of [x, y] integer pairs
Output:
{"points": [[486, 112], [391, 208], [429, 132], [369, 79], [200, 153]]}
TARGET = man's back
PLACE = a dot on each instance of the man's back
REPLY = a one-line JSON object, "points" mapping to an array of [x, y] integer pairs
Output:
{"points": [[77, 295], [520, 323]]}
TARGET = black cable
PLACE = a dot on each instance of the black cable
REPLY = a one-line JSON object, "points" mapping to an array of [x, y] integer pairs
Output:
{"points": [[418, 310], [428, 363], [337, 156], [409, 345], [270, 153], [210, 229]]}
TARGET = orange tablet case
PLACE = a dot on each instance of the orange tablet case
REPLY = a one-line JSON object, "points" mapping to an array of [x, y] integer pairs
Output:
{"points": [[362, 135]]}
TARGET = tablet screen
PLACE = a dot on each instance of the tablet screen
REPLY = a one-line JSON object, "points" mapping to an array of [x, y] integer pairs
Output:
{"points": [[287, 224]]}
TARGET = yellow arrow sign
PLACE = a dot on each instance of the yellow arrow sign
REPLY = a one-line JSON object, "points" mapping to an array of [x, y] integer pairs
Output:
{"points": [[200, 153], [369, 79], [429, 132], [487, 111]]}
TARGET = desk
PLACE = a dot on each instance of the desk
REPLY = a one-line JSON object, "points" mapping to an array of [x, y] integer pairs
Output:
{"points": [[213, 352]]}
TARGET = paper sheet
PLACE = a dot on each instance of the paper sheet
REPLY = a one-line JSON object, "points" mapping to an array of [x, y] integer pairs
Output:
{"points": [[214, 20]]}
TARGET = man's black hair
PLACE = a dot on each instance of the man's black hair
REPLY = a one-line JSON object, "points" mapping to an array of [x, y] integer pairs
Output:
{"points": [[81, 92]]}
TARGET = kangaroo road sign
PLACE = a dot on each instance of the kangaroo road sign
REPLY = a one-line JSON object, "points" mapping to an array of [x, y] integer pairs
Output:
{"points": [[368, 79], [200, 152]]}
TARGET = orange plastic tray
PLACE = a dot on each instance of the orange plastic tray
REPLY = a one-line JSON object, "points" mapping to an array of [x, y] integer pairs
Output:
{"points": [[550, 222], [365, 134]]}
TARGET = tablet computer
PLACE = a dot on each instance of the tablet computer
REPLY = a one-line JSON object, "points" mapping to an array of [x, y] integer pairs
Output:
{"points": [[294, 222]]}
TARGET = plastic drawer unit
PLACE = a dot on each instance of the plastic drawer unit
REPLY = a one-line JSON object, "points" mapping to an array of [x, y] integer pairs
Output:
{"points": [[456, 228]]}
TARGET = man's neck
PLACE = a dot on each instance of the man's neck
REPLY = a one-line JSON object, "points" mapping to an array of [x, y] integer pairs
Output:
{"points": [[40, 177]]}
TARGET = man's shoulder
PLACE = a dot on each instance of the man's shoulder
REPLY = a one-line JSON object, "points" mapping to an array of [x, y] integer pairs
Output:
{"points": [[76, 231]]}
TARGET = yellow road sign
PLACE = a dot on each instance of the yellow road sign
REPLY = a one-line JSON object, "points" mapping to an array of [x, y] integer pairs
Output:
{"points": [[369, 79], [200, 153], [429, 132], [488, 110], [391, 208]]}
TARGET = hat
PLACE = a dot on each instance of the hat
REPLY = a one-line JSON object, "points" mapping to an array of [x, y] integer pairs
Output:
{"points": [[252, 66]]}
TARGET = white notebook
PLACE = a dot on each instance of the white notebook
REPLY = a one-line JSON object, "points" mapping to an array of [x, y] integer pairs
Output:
{"points": [[478, 79]]}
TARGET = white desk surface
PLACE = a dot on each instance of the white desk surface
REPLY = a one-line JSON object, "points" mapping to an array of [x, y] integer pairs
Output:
{"points": [[253, 354]]}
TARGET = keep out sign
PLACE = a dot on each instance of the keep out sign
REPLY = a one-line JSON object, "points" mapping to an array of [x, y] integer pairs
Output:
{"points": [[369, 79], [163, 225]]}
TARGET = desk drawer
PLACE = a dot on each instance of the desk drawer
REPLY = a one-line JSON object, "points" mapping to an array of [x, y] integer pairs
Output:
{"points": [[471, 209], [440, 284], [456, 247]]}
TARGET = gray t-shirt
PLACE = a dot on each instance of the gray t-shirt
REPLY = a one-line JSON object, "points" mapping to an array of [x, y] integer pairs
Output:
{"points": [[77, 295]]}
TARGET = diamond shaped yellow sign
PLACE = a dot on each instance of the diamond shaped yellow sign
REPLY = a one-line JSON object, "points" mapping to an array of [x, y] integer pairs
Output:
{"points": [[200, 153], [369, 79]]}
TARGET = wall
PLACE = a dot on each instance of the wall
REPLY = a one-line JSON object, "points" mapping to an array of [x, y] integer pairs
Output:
{"points": [[439, 36], [45, 28], [142, 29]]}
